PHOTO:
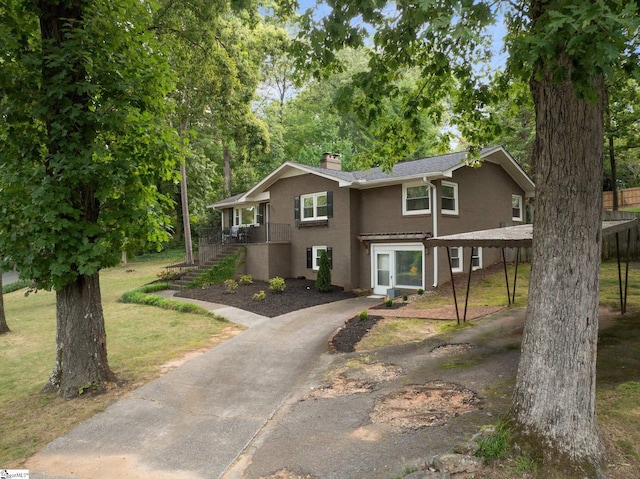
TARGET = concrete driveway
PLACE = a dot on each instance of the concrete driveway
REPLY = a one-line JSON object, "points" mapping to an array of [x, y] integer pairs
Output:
{"points": [[196, 420]]}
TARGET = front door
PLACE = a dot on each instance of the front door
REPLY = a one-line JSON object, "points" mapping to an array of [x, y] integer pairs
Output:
{"points": [[383, 278]]}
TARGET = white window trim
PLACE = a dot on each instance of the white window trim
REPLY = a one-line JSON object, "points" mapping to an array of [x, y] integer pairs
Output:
{"points": [[460, 267], [406, 212], [517, 218], [237, 215], [315, 255], [479, 256], [455, 198], [315, 197]]}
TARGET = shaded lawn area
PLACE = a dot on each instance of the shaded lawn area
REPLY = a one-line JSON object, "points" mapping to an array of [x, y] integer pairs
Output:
{"points": [[140, 339]]}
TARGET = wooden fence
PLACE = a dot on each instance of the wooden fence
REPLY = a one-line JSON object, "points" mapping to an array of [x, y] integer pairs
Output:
{"points": [[629, 198], [609, 242]]}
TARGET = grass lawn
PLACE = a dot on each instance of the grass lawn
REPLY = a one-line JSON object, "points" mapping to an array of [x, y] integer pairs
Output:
{"points": [[140, 339]]}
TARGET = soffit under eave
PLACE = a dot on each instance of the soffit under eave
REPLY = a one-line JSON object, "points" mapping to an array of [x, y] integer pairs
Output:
{"points": [[364, 185]]}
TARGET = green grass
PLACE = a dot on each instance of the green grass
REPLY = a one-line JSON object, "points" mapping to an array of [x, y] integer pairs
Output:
{"points": [[495, 446], [139, 340], [396, 331]]}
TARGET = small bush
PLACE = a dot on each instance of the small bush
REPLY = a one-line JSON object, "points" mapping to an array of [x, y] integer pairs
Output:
{"points": [[421, 291], [388, 303], [230, 286], [405, 297], [364, 315], [277, 284], [246, 279], [323, 281], [261, 296]]}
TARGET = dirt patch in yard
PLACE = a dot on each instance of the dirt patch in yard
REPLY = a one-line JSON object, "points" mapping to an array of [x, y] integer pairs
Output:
{"points": [[356, 377], [431, 404]]}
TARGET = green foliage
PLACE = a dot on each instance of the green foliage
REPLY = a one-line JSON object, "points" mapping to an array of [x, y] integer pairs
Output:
{"points": [[421, 291], [143, 295], [260, 296], [89, 142], [388, 303], [323, 280], [246, 279], [405, 297], [496, 445], [221, 271], [364, 315], [15, 286], [230, 286], [277, 284]]}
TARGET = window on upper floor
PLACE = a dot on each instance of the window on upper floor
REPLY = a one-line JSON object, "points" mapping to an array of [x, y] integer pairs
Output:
{"points": [[516, 208], [314, 206], [415, 199], [449, 194], [245, 215]]}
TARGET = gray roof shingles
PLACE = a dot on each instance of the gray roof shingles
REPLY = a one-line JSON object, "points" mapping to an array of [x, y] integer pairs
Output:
{"points": [[423, 166]]}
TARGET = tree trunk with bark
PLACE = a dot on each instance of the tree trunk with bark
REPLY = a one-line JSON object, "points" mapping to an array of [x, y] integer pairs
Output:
{"points": [[81, 348], [554, 399], [226, 170], [81, 341], [4, 328]]}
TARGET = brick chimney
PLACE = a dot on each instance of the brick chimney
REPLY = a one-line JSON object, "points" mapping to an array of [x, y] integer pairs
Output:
{"points": [[331, 161]]}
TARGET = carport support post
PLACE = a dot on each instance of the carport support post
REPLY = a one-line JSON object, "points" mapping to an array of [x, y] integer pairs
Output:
{"points": [[466, 299], [506, 275], [515, 277], [453, 285], [623, 298]]}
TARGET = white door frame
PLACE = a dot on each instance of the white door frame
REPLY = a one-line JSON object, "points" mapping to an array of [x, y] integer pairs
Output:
{"points": [[390, 249]]}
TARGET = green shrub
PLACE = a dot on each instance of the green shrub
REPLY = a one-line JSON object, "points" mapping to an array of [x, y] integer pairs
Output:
{"points": [[388, 303], [141, 296], [364, 315], [15, 286], [246, 279], [421, 291], [230, 286], [405, 297], [261, 296], [277, 284], [323, 280], [223, 269]]}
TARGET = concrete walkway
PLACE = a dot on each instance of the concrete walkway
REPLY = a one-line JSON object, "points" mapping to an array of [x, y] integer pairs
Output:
{"points": [[193, 422]]}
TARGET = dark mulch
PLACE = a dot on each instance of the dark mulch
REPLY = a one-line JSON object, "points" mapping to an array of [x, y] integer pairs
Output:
{"points": [[355, 329], [298, 294]]}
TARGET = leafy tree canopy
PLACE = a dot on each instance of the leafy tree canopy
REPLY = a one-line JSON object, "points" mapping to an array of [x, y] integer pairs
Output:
{"points": [[79, 187]]}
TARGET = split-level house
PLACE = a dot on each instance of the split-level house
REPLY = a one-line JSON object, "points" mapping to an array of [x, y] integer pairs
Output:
{"points": [[374, 224]]}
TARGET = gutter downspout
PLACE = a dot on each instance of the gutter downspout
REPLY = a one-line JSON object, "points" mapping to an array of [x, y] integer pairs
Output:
{"points": [[435, 233], [434, 216]]}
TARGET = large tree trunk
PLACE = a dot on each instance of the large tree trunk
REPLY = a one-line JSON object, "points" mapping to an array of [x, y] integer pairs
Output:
{"points": [[554, 400], [81, 341], [81, 348], [4, 328], [226, 170]]}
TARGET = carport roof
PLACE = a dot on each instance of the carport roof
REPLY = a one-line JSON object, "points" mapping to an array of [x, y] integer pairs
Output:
{"points": [[520, 236]]}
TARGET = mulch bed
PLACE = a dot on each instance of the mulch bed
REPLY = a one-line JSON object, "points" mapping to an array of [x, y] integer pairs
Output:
{"points": [[298, 294], [346, 339]]}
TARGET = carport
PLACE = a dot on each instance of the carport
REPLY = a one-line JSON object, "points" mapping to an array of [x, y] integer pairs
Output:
{"points": [[519, 237]]}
